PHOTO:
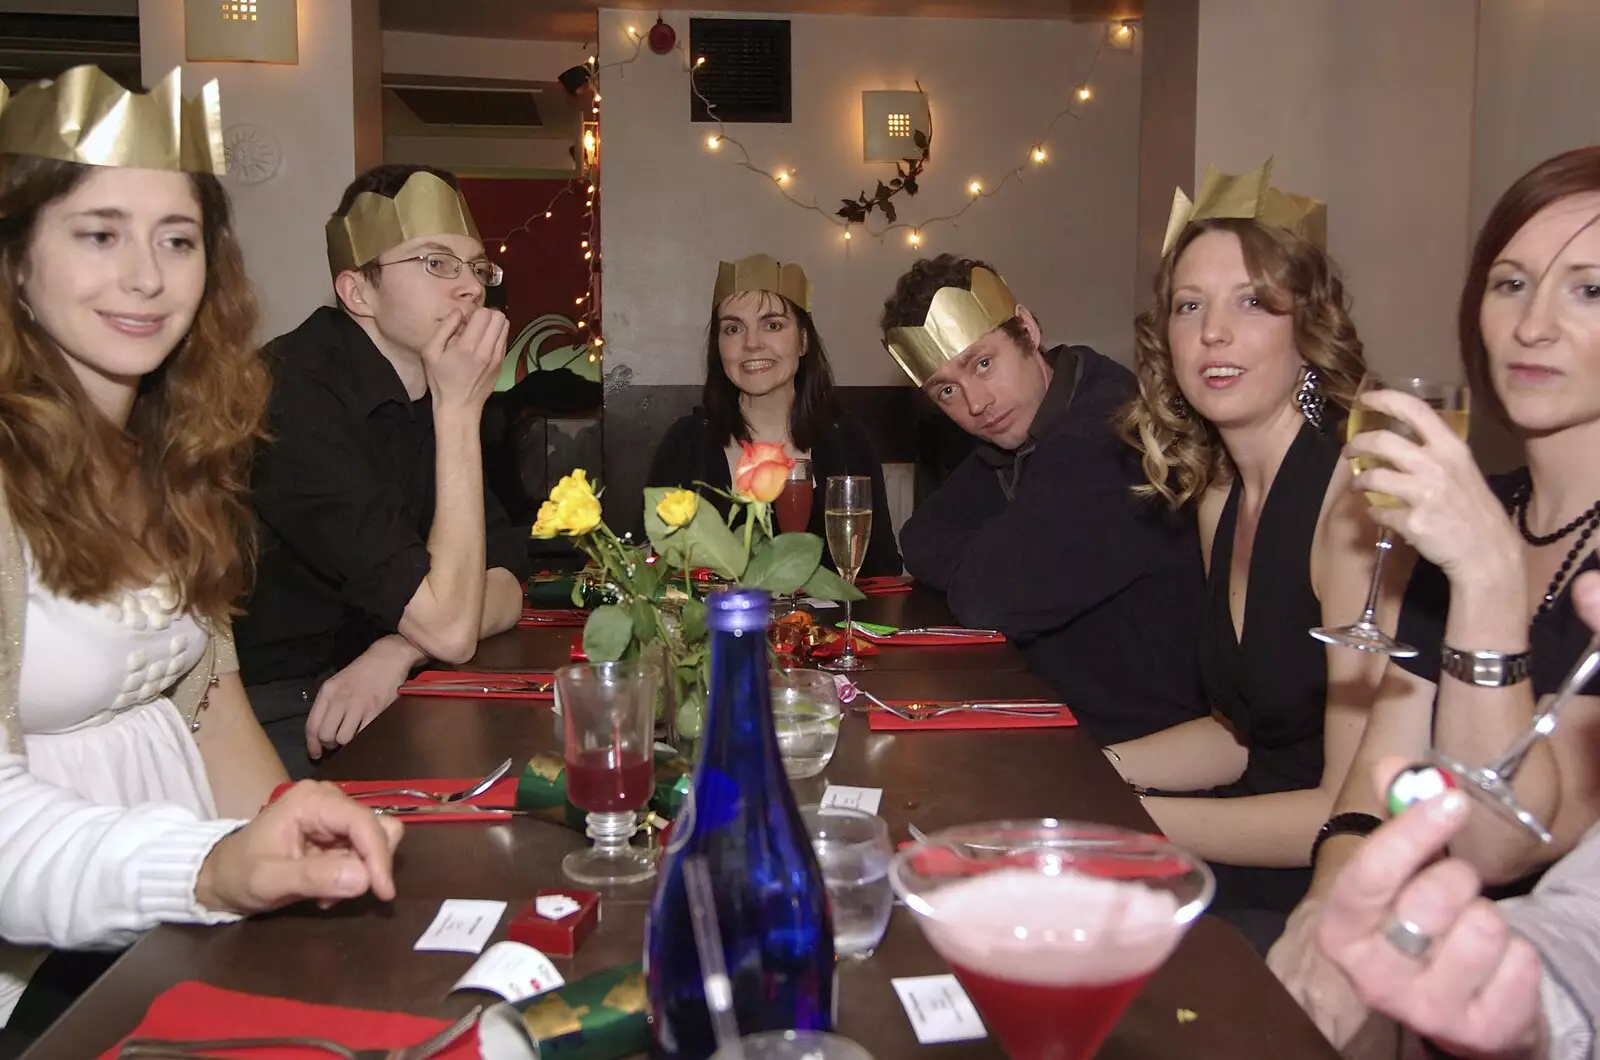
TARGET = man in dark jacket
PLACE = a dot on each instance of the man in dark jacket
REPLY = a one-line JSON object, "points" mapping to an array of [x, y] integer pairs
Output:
{"points": [[1038, 533]]}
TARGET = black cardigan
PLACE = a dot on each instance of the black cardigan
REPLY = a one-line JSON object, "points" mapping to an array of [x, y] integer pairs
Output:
{"points": [[689, 453]]}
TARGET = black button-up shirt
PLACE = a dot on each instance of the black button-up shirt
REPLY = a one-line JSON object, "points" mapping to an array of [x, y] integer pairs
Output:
{"points": [[343, 495]]}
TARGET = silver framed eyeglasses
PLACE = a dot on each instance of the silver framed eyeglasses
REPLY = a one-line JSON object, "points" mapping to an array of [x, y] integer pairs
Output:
{"points": [[448, 267]]}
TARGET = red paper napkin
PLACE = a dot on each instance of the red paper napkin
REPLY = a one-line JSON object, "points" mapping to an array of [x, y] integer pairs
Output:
{"points": [[509, 680], [933, 640], [554, 618], [503, 795], [883, 721], [882, 586], [196, 1011]]}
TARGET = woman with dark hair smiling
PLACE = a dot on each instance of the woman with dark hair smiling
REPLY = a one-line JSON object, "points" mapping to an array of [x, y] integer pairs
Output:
{"points": [[768, 380]]}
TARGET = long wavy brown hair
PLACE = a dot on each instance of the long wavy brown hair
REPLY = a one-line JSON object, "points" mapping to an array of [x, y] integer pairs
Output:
{"points": [[105, 508], [1182, 453]]}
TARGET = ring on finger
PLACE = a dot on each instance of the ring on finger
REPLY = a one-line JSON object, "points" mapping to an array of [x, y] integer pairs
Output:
{"points": [[1407, 937]]}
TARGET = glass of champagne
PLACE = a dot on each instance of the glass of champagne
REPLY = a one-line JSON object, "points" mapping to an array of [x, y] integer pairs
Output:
{"points": [[608, 712], [1052, 927], [847, 518], [1451, 402]]}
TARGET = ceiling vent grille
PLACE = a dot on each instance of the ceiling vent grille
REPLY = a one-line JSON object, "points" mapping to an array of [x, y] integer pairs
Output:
{"points": [[746, 73]]}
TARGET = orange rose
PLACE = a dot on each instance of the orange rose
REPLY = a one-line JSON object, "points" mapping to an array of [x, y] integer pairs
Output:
{"points": [[762, 471]]}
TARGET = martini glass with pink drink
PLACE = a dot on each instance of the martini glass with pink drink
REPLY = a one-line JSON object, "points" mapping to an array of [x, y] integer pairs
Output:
{"points": [[1052, 927]]}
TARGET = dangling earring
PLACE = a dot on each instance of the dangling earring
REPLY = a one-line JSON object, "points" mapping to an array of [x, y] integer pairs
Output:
{"points": [[1179, 407], [1309, 398]]}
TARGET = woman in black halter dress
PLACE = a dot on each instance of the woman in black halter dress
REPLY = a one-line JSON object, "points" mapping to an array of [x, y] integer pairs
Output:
{"points": [[1247, 365]]}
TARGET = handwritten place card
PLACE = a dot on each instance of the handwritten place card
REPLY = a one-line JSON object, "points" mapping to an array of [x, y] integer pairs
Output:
{"points": [[847, 798], [462, 926], [512, 971], [939, 1010]]}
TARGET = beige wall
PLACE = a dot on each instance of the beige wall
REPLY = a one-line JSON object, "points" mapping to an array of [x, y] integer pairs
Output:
{"points": [[1366, 104], [310, 110], [1538, 91], [1064, 239]]}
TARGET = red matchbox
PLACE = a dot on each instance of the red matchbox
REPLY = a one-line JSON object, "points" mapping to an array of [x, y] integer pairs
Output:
{"points": [[557, 938]]}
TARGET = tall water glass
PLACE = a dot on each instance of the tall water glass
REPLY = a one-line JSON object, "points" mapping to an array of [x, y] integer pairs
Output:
{"points": [[853, 849], [608, 713], [1052, 927], [847, 518], [1452, 403]]}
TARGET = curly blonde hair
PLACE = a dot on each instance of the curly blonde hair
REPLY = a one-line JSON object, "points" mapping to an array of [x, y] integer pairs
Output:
{"points": [[105, 508], [1181, 452]]}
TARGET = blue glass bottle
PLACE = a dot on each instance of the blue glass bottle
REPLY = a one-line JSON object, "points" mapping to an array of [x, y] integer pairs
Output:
{"points": [[772, 907]]}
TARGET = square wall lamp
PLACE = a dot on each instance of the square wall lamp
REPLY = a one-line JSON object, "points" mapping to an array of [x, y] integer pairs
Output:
{"points": [[889, 121], [241, 31]]}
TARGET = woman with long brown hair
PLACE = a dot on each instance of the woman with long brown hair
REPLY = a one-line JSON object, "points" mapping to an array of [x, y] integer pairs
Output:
{"points": [[130, 395], [1247, 364], [1490, 608]]}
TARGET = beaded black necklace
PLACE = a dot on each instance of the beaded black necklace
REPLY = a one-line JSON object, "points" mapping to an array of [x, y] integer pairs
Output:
{"points": [[1588, 522]]}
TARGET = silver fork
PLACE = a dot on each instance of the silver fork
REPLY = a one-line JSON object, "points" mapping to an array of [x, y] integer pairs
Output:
{"points": [[432, 796], [177, 1049]]}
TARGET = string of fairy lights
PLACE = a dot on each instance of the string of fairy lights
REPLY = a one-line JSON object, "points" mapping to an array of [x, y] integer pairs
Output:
{"points": [[1037, 153]]}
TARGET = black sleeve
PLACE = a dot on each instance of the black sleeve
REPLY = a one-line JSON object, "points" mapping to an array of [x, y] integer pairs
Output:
{"points": [[315, 488], [504, 545], [676, 458], [1073, 536], [936, 537]]}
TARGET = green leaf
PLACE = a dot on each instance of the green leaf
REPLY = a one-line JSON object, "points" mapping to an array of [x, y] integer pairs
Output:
{"points": [[714, 544], [910, 186], [882, 191], [646, 579], [693, 625], [784, 565], [644, 621], [824, 584], [888, 211], [607, 633], [577, 594], [919, 138]]}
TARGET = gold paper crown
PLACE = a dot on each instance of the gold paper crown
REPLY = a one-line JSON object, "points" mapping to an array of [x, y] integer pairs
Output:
{"points": [[761, 272], [1248, 195], [424, 206], [957, 317], [84, 116]]}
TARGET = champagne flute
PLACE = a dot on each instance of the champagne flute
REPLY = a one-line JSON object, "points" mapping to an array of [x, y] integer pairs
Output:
{"points": [[1491, 783], [1451, 402], [847, 518]]}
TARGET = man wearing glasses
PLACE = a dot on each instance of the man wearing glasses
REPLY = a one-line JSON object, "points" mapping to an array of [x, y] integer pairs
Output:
{"points": [[380, 546]]}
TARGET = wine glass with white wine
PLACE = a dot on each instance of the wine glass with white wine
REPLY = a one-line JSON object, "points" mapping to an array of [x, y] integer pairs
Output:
{"points": [[847, 519], [1452, 403]]}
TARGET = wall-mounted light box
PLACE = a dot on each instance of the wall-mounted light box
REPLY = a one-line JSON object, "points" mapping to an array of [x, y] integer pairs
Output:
{"points": [[888, 121], [241, 31]]}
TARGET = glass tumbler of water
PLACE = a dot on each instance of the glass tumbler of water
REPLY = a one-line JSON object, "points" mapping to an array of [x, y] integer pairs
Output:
{"points": [[805, 716], [853, 849]]}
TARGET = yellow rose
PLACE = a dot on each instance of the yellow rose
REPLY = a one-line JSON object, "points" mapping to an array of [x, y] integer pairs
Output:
{"points": [[574, 485], [762, 471], [578, 513], [677, 507], [547, 525]]}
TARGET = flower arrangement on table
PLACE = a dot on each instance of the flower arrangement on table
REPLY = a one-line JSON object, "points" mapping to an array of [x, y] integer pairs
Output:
{"points": [[685, 533]]}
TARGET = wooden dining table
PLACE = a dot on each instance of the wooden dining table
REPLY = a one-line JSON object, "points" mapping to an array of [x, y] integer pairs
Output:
{"points": [[1214, 998]]}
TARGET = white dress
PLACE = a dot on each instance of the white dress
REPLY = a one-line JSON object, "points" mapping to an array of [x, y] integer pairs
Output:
{"points": [[94, 717]]}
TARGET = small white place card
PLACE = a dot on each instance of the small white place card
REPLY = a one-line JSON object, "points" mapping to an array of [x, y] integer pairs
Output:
{"points": [[939, 1010], [555, 906], [462, 926], [511, 970], [843, 797]]}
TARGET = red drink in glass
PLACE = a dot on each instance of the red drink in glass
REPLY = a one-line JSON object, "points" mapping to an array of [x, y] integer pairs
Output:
{"points": [[1051, 959], [794, 506], [596, 783], [1040, 1022]]}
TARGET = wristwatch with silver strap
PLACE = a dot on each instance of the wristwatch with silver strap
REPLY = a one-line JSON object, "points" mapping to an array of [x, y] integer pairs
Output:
{"points": [[1485, 669]]}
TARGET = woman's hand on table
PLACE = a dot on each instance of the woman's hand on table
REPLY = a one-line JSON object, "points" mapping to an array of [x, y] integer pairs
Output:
{"points": [[315, 843]]}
